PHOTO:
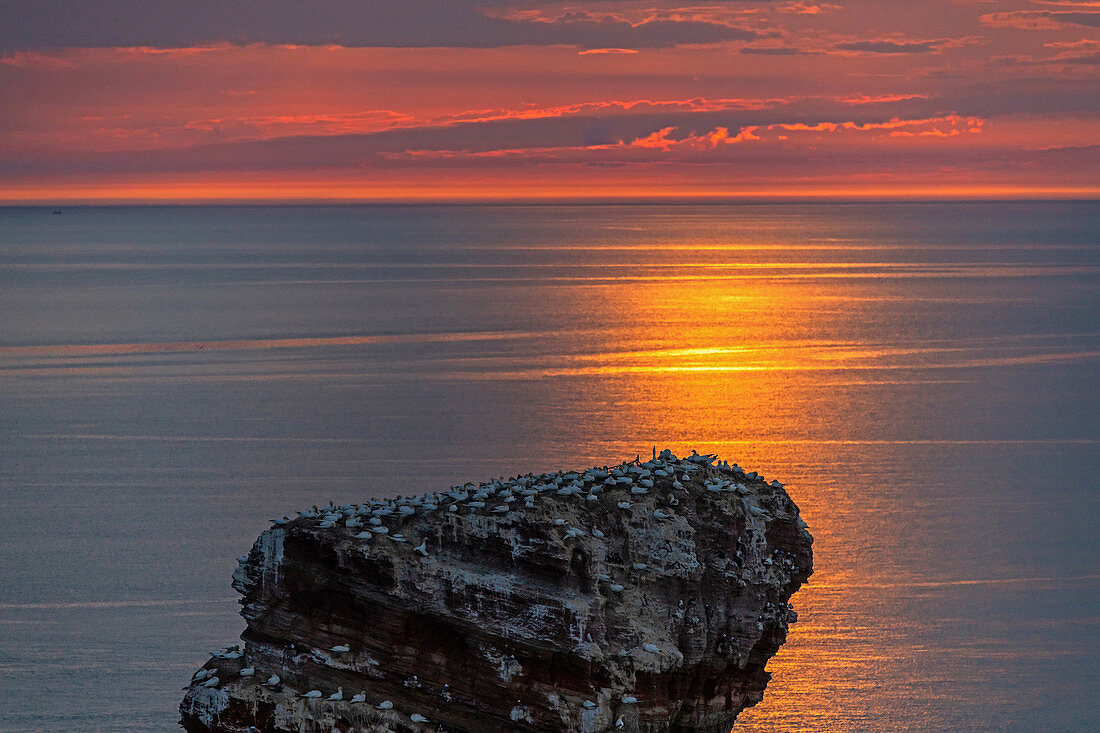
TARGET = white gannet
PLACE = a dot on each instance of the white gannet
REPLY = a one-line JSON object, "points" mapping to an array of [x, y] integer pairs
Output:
{"points": [[398, 537], [422, 548], [624, 505], [646, 482], [619, 723], [340, 648], [202, 674], [273, 680], [629, 700], [618, 587], [592, 497], [651, 648], [212, 682], [588, 704], [559, 522], [661, 515], [639, 490], [597, 533], [639, 566], [248, 671], [502, 509], [338, 695], [364, 535], [385, 705], [312, 694], [359, 697], [418, 718]]}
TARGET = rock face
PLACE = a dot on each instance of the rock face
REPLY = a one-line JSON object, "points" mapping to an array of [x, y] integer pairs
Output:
{"points": [[639, 597]]}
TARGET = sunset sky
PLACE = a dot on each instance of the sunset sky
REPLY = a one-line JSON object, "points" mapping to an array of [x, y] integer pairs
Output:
{"points": [[165, 100]]}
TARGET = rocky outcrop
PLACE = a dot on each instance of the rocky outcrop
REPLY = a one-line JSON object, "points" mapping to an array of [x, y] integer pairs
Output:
{"points": [[638, 597]]}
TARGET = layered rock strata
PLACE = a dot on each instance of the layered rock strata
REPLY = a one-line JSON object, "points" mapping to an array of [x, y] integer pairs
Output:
{"points": [[646, 596]]}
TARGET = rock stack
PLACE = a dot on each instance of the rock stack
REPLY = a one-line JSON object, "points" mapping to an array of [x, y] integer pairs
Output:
{"points": [[646, 596]]}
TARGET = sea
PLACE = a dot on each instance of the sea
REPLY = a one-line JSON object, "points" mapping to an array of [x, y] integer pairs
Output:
{"points": [[923, 376]]}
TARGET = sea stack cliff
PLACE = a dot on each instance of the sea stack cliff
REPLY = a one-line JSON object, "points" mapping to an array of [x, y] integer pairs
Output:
{"points": [[645, 596]]}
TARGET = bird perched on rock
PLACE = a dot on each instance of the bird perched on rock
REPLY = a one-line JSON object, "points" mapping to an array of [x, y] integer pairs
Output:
{"points": [[341, 648], [312, 694], [338, 695], [385, 705], [359, 697], [418, 718]]}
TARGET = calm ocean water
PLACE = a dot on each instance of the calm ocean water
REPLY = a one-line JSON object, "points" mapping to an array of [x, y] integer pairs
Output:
{"points": [[924, 377]]}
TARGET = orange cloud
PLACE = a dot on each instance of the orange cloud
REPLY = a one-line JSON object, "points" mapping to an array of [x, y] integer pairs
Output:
{"points": [[663, 140], [589, 51]]}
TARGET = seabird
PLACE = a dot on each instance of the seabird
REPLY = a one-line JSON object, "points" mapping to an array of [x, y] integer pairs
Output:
{"points": [[619, 722], [273, 680], [422, 548], [629, 700], [337, 696], [624, 504], [202, 674], [589, 704], [661, 515], [385, 705], [617, 587], [651, 648], [312, 694], [418, 718], [212, 682], [340, 648], [597, 533], [248, 671], [360, 697]]}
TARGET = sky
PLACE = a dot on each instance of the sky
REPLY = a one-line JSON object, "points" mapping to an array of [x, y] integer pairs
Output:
{"points": [[207, 100]]}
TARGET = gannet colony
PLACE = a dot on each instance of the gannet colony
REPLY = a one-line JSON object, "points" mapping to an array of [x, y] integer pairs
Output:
{"points": [[646, 596]]}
